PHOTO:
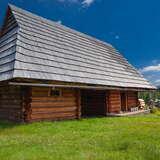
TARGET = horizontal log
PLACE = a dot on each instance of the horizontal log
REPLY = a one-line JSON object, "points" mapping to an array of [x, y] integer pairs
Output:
{"points": [[12, 95], [9, 109], [132, 104], [114, 95], [10, 103], [132, 93], [10, 106], [53, 115], [45, 91], [93, 104], [9, 116], [52, 99], [93, 108], [9, 98], [132, 98], [55, 109], [52, 119], [68, 94], [114, 98], [94, 112], [115, 103], [40, 94], [14, 90], [53, 104], [40, 89], [5, 113], [132, 101], [115, 107]]}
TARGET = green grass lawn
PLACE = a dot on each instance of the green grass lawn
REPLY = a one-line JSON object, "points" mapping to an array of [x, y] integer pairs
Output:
{"points": [[132, 138]]}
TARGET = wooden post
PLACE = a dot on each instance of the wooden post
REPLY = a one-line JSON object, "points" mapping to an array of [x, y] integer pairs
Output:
{"points": [[114, 101], [26, 104], [107, 102], [78, 103], [126, 95]]}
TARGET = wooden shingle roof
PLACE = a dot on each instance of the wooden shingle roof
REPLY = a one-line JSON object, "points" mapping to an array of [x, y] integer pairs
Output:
{"points": [[37, 48]]}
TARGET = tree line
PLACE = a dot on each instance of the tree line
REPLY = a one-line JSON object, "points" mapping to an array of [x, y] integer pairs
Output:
{"points": [[150, 95]]}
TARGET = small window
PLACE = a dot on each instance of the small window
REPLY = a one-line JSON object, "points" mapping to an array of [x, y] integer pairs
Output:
{"points": [[55, 92]]}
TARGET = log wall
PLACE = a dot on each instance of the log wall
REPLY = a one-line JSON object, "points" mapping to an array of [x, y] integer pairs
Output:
{"points": [[36, 103], [132, 99], [43, 106], [11, 103], [114, 102]]}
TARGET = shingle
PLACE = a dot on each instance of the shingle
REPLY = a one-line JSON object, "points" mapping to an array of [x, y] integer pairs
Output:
{"points": [[47, 50]]}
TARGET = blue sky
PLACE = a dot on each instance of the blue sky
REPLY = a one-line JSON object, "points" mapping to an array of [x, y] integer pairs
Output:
{"points": [[133, 27]]}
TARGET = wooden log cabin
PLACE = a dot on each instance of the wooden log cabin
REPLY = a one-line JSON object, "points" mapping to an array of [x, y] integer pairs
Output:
{"points": [[51, 72]]}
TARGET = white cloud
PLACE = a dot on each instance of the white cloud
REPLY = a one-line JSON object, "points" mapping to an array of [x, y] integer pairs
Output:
{"points": [[70, 1], [84, 3], [152, 72], [151, 68], [117, 37], [157, 81], [114, 35], [87, 2], [59, 22], [155, 61]]}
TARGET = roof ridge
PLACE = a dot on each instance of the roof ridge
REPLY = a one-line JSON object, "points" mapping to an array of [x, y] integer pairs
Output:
{"points": [[13, 7]]}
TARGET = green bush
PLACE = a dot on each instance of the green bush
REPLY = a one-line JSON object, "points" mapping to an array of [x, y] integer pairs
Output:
{"points": [[156, 111]]}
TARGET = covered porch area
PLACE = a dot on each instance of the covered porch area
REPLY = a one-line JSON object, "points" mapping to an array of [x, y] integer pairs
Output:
{"points": [[109, 103], [93, 103], [123, 103]]}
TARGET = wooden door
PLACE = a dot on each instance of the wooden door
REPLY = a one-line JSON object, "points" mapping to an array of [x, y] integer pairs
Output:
{"points": [[123, 101], [93, 103]]}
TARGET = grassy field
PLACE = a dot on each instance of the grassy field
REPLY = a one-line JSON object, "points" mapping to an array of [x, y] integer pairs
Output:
{"points": [[132, 138]]}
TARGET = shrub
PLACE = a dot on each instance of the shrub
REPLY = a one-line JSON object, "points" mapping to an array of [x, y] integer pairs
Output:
{"points": [[156, 111]]}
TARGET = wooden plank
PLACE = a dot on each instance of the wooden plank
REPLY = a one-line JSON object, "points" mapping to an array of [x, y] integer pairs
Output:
{"points": [[52, 115], [10, 103], [52, 99], [43, 106], [114, 102], [52, 119], [54, 109], [78, 104], [52, 104]]}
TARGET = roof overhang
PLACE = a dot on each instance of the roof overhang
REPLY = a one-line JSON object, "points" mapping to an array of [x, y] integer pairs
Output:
{"points": [[78, 86]]}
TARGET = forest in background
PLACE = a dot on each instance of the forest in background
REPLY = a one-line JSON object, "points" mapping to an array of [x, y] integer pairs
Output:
{"points": [[147, 96]]}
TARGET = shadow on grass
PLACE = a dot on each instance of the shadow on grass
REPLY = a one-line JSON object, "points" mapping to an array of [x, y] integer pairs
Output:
{"points": [[8, 124]]}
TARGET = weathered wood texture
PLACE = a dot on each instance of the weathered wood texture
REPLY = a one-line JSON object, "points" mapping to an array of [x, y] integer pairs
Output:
{"points": [[36, 103], [93, 103], [132, 99], [11, 103], [114, 102], [43, 106]]}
